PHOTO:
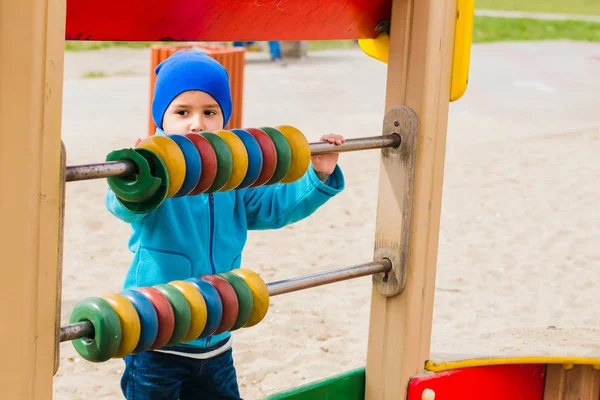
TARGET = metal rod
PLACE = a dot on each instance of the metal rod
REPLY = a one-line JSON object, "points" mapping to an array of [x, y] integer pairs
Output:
{"points": [[368, 143], [323, 278], [127, 167], [100, 170], [85, 328]]}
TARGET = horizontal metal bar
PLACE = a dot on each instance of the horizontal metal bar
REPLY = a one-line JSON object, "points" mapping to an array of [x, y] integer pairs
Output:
{"points": [[367, 143], [76, 331], [124, 168], [85, 328], [100, 170], [323, 278]]}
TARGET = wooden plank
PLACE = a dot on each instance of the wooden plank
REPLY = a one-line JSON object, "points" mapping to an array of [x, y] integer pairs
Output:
{"points": [[224, 20], [31, 81], [419, 68], [572, 382]]}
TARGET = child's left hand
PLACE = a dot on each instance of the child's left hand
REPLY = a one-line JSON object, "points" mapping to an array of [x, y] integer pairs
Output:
{"points": [[324, 164]]}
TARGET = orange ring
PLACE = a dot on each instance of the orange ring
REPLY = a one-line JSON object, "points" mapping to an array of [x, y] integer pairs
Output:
{"points": [[197, 308], [172, 156], [240, 159], [130, 323], [300, 153], [260, 294]]}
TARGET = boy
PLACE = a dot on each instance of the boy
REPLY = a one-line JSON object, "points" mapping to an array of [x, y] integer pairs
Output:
{"points": [[191, 236]]}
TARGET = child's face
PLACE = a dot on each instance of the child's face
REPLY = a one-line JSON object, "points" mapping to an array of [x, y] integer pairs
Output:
{"points": [[192, 111]]}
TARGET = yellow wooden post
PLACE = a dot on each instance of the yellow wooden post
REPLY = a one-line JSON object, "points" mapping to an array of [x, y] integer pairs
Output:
{"points": [[419, 69], [31, 79]]}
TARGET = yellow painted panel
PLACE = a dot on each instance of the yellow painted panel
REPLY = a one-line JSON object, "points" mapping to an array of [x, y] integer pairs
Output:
{"points": [[379, 48], [446, 365], [463, 38]]}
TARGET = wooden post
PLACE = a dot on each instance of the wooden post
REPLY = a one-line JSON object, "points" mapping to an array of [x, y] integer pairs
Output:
{"points": [[32, 36], [579, 382], [419, 68]]}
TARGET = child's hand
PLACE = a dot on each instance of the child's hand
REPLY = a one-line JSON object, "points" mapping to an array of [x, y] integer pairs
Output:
{"points": [[324, 165]]}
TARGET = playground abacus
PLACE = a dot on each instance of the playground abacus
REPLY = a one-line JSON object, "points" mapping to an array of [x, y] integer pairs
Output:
{"points": [[426, 46]]}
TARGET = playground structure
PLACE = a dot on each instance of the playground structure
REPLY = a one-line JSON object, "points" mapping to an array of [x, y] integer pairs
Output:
{"points": [[421, 70]]}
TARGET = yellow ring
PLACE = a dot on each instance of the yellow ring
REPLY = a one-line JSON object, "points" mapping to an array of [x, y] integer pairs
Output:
{"points": [[300, 153], [172, 156], [130, 323], [240, 159], [197, 308], [260, 294]]}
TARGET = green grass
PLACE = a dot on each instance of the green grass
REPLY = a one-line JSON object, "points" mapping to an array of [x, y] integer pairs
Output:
{"points": [[489, 29], [85, 45], [586, 7], [94, 74]]}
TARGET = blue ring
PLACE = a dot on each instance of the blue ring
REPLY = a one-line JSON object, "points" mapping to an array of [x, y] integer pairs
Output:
{"points": [[255, 157], [193, 164], [148, 319], [214, 306]]}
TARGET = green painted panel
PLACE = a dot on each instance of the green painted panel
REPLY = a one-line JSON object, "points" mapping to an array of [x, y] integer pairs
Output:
{"points": [[347, 386]]}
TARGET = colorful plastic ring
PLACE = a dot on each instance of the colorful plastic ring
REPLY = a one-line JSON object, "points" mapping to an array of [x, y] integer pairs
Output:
{"points": [[284, 154], [214, 307], [164, 312], [208, 158], [107, 329], [240, 159], [137, 187], [260, 294], [269, 153], [130, 323], [148, 319], [300, 153], [171, 155], [197, 308], [158, 170], [245, 300], [255, 157], [181, 309], [228, 299], [224, 161], [193, 164]]}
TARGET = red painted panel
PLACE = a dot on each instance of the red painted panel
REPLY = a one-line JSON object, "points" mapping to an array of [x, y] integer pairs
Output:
{"points": [[223, 20], [498, 382]]}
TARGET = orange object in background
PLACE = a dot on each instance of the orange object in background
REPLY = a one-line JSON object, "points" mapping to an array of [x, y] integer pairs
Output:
{"points": [[232, 58]]}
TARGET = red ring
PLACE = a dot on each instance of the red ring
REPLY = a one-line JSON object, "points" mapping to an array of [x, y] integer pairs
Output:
{"points": [[269, 156], [229, 300], [164, 311], [209, 162]]}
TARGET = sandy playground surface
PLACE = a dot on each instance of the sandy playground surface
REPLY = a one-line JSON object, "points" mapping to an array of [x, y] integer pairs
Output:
{"points": [[519, 246]]}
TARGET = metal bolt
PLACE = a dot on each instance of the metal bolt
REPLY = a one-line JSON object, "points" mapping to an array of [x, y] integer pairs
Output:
{"points": [[428, 394]]}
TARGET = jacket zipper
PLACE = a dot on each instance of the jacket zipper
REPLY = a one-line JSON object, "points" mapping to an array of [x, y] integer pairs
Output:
{"points": [[212, 227]]}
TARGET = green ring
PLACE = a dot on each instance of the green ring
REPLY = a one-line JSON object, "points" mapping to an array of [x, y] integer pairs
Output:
{"points": [[245, 299], [158, 169], [224, 161], [181, 309], [137, 187], [284, 154], [107, 329]]}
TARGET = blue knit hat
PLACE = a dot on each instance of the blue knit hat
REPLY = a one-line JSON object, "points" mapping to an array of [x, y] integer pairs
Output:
{"points": [[190, 70]]}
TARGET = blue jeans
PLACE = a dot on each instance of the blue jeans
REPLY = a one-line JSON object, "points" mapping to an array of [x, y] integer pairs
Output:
{"points": [[160, 376]]}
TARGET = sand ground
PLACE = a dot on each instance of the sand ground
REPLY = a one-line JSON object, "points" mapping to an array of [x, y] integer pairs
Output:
{"points": [[519, 245]]}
